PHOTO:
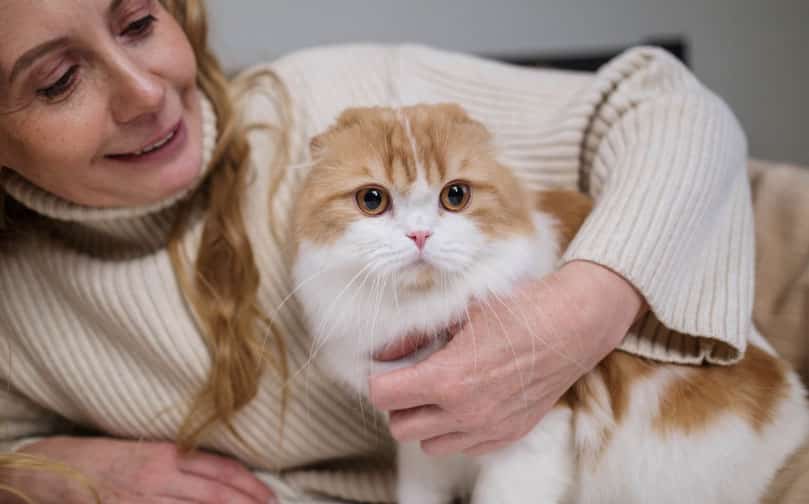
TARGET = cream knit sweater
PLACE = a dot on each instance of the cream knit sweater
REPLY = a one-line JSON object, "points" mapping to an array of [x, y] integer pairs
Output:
{"points": [[94, 331]]}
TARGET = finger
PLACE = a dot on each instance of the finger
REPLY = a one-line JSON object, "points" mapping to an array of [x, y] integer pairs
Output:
{"points": [[486, 448], [404, 388], [165, 500], [420, 423], [510, 430], [227, 472], [449, 444], [428, 382], [196, 489]]}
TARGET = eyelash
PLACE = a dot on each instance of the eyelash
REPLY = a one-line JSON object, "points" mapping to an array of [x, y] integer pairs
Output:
{"points": [[139, 28], [61, 86]]}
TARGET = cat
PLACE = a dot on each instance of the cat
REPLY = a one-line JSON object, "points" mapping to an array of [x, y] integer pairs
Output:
{"points": [[405, 218]]}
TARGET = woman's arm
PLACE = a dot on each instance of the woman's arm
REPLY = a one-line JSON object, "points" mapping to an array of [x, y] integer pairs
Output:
{"points": [[131, 472], [665, 160], [127, 472]]}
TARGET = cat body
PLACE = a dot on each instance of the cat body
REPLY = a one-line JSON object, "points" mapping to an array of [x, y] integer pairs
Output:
{"points": [[407, 218]]}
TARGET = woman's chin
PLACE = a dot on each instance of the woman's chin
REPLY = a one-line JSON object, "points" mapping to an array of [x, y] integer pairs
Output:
{"points": [[169, 187], [180, 178], [156, 180]]}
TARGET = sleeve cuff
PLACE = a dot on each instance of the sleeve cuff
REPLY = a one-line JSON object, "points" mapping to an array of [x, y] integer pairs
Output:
{"points": [[17, 445]]}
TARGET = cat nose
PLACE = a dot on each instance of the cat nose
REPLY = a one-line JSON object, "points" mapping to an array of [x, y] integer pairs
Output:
{"points": [[419, 238]]}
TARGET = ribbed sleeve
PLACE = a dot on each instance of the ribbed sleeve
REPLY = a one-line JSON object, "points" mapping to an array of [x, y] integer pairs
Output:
{"points": [[666, 161], [23, 422]]}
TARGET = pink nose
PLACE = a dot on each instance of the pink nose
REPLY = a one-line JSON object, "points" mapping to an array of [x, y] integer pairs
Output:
{"points": [[419, 238]]}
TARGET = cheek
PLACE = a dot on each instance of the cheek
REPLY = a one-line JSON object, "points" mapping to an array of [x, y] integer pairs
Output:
{"points": [[499, 216], [457, 244], [458, 232], [371, 235], [323, 224], [55, 149], [174, 58]]}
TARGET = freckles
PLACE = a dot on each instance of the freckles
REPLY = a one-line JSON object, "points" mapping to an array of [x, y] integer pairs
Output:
{"points": [[73, 142]]}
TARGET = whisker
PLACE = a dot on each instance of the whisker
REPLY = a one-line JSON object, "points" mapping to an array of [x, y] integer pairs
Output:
{"points": [[560, 352], [474, 336], [368, 271], [372, 333], [523, 387], [297, 288], [337, 298], [316, 343]]}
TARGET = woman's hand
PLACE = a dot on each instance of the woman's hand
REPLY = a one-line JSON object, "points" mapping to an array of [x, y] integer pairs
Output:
{"points": [[130, 472], [511, 362]]}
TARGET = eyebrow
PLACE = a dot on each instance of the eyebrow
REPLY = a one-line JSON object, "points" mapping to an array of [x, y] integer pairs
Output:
{"points": [[114, 6], [28, 59]]}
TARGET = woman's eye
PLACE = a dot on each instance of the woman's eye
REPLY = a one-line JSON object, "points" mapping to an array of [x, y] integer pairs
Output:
{"points": [[373, 200], [61, 86], [455, 196], [139, 27]]}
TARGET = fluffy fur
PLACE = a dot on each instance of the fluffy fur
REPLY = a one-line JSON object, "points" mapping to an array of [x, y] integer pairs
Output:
{"points": [[630, 431]]}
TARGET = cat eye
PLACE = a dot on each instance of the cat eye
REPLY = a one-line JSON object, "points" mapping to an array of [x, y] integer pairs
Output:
{"points": [[373, 200], [455, 196]]}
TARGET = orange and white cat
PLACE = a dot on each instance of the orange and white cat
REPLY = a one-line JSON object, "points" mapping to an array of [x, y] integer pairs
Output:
{"points": [[406, 218]]}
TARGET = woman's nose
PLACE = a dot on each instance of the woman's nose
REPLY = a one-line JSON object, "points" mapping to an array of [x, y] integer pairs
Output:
{"points": [[138, 93]]}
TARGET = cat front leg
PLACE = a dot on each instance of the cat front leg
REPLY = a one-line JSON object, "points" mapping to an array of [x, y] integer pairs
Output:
{"points": [[432, 480], [538, 469]]}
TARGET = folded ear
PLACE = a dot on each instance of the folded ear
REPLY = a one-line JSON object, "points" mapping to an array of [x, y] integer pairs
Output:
{"points": [[454, 112], [318, 144], [353, 116], [458, 116], [348, 118]]}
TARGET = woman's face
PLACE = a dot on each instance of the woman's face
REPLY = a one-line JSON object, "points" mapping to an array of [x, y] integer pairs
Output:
{"points": [[98, 101]]}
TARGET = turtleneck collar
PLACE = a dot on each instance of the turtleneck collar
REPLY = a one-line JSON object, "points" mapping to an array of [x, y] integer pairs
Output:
{"points": [[137, 227]]}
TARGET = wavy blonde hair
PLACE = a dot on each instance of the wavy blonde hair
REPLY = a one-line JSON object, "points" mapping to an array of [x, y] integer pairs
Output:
{"points": [[27, 463], [221, 282], [222, 287]]}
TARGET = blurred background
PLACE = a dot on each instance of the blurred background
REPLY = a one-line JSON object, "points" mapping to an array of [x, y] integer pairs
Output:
{"points": [[753, 53]]}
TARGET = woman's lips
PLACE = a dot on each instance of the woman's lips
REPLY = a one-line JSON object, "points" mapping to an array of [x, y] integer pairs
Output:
{"points": [[163, 147]]}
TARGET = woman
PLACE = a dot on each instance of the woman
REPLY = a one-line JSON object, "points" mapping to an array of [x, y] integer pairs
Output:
{"points": [[143, 267]]}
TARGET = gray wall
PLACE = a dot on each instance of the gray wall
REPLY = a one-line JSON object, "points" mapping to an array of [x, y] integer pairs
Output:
{"points": [[754, 53]]}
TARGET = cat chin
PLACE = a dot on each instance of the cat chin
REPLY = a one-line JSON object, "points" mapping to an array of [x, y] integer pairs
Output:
{"points": [[417, 277]]}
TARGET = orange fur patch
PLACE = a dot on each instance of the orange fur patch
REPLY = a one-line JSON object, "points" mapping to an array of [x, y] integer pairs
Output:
{"points": [[613, 376], [791, 483], [570, 208], [752, 389]]}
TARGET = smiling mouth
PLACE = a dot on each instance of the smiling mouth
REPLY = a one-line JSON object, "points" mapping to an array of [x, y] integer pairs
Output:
{"points": [[159, 144]]}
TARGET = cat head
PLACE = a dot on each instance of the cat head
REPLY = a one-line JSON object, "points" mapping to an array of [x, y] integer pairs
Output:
{"points": [[414, 194]]}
